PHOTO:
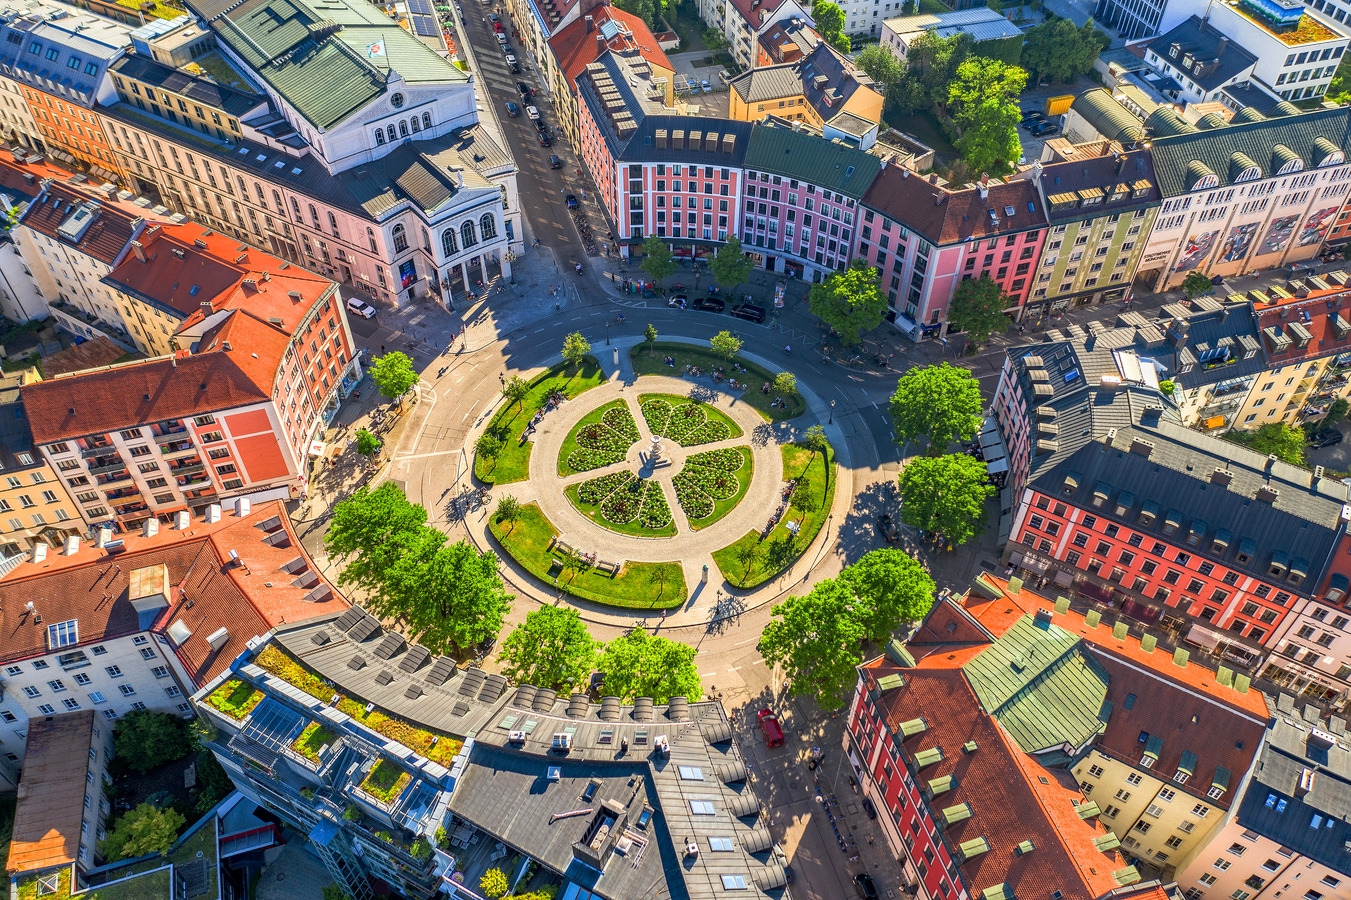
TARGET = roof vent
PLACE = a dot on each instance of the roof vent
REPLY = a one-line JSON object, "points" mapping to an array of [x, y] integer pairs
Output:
{"points": [[218, 638], [1267, 494], [1142, 447]]}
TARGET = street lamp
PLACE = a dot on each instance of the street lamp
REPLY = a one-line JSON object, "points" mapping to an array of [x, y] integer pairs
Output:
{"points": [[607, 334], [832, 413]]}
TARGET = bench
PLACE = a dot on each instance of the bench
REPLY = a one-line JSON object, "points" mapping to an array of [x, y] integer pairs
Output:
{"points": [[609, 568]]}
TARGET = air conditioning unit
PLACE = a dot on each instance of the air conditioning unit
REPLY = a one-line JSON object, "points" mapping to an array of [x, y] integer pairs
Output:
{"points": [[516, 737], [562, 742]]}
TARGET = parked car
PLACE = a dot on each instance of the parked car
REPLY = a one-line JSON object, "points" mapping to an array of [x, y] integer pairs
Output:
{"points": [[360, 308], [749, 311], [497, 27], [571, 200], [501, 38], [541, 127], [1033, 115], [1328, 437], [708, 88], [890, 530], [711, 304], [544, 140], [532, 112], [526, 90], [494, 18], [513, 110], [770, 728], [1046, 129], [555, 162], [677, 300], [866, 889], [513, 64]]}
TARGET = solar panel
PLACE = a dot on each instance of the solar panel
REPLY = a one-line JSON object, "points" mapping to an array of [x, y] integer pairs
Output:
{"points": [[420, 7], [441, 672], [425, 26], [367, 627], [349, 618], [417, 655], [385, 677], [391, 645]]}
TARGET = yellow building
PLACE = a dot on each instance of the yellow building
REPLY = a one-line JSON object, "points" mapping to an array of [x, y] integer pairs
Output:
{"points": [[821, 89], [34, 505], [191, 103]]}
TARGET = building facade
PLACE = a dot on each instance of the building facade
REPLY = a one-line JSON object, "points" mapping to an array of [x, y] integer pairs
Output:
{"points": [[34, 505]]}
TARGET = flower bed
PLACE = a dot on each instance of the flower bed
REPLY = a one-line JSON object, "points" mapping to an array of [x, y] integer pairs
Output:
{"points": [[706, 478], [656, 512], [596, 490], [622, 506], [235, 698], [687, 423], [695, 503], [312, 740], [606, 442], [385, 781]]}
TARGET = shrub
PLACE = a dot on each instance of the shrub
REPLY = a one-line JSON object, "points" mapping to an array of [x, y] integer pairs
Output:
{"points": [[142, 831], [145, 740], [493, 883], [235, 698]]}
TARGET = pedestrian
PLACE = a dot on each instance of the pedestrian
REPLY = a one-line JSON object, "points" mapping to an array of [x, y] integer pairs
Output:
{"points": [[382, 348]]}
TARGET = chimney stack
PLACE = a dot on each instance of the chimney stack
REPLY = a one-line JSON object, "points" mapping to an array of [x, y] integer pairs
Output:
{"points": [[139, 250], [590, 24]]}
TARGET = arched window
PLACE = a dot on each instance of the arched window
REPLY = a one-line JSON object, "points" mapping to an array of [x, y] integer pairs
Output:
{"points": [[243, 188], [276, 198], [487, 226], [370, 237], [400, 239], [295, 208], [379, 135], [333, 224], [426, 120], [314, 216], [467, 234], [393, 135], [448, 243], [413, 122], [403, 128]]}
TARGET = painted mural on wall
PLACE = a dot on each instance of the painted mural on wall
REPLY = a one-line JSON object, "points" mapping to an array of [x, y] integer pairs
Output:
{"points": [[1316, 226], [1198, 247], [1278, 235], [1239, 241]]}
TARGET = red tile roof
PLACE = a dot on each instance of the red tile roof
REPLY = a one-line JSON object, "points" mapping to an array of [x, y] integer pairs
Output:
{"points": [[51, 793], [945, 215], [1281, 314], [1007, 810], [757, 12], [105, 239], [575, 47], [208, 590]]}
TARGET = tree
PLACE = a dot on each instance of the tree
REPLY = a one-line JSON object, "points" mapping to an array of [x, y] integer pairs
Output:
{"points": [[1195, 284], [939, 403], [333, 892], [714, 39], [725, 344], [515, 389], [213, 782], [985, 96], [803, 500], [1058, 50], [657, 261], [890, 588], [550, 649], [829, 20], [785, 383], [817, 638], [814, 439], [393, 374], [643, 9], [493, 884], [450, 595], [730, 266], [642, 665], [575, 349], [368, 442], [882, 67], [368, 532], [508, 511], [977, 308], [851, 302], [1336, 412], [945, 495], [488, 445], [931, 65], [650, 337], [145, 740], [1278, 438], [142, 831]]}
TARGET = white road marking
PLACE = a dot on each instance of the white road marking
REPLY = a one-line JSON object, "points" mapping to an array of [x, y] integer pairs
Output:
{"points": [[747, 641], [734, 668]]}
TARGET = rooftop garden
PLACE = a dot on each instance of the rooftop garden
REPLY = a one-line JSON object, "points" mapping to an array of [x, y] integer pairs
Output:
{"points": [[152, 8], [235, 698], [53, 885], [438, 747], [1308, 31], [385, 781], [313, 739]]}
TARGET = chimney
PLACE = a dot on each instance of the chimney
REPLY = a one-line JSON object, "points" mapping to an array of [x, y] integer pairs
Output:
{"points": [[590, 24], [1120, 164], [139, 250], [1224, 43], [600, 42]]}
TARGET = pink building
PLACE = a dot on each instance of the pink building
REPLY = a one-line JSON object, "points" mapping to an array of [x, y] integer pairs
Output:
{"points": [[925, 238]]}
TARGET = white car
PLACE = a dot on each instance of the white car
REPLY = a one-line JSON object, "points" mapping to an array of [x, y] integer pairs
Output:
{"points": [[532, 112], [360, 308]]}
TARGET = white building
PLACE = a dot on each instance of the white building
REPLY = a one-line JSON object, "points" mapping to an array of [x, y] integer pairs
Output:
{"points": [[981, 23]]}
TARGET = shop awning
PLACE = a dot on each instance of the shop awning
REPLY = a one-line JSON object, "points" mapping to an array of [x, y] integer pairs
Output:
{"points": [[1203, 637]]}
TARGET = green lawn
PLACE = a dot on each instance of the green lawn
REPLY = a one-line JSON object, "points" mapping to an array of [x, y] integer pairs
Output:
{"points": [[650, 363], [712, 413], [570, 442], [723, 507], [781, 549], [638, 586], [513, 462], [634, 528], [924, 127], [691, 32]]}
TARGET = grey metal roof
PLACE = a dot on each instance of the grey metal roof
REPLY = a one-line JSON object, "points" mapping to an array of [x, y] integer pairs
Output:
{"points": [[1290, 750], [1220, 343], [768, 83], [1220, 58]]}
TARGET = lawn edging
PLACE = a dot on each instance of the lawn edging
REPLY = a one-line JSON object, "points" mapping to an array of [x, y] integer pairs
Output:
{"points": [[512, 463], [646, 359]]}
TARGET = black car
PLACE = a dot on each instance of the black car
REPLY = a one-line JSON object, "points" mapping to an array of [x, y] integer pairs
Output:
{"points": [[544, 140], [749, 312], [1328, 437], [1030, 115], [866, 889], [1032, 121], [555, 162], [526, 91], [1045, 129], [571, 200], [712, 304], [540, 125]]}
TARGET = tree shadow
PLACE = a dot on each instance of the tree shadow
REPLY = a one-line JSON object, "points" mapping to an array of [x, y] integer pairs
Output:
{"points": [[763, 434], [702, 394], [726, 614], [859, 532]]}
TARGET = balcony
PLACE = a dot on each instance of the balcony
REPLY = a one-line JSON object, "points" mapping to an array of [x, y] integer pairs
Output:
{"points": [[170, 448], [136, 510], [105, 468], [203, 480], [127, 499], [115, 482], [100, 450], [170, 434], [190, 468]]}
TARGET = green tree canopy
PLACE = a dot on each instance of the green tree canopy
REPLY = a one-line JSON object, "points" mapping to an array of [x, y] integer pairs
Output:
{"points": [[725, 344], [368, 442], [650, 336], [642, 665], [882, 67], [1057, 50], [931, 65], [851, 301], [575, 349], [889, 588], [449, 594], [1337, 411], [1196, 283], [144, 740], [984, 96], [1278, 438], [142, 831], [508, 510], [829, 20], [657, 261], [730, 266], [515, 390], [945, 495], [393, 374], [785, 383], [493, 883], [817, 640], [643, 9], [550, 649], [977, 308], [940, 404], [368, 532]]}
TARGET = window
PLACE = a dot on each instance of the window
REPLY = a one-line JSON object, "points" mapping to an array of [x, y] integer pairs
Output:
{"points": [[127, 690], [140, 640], [13, 670], [1237, 849], [733, 883], [138, 706], [160, 671], [1095, 771], [147, 653], [701, 807], [172, 691], [71, 703], [690, 773], [1134, 778], [30, 691], [1174, 842], [97, 697], [8, 716], [62, 634], [81, 678], [113, 671], [720, 844]]}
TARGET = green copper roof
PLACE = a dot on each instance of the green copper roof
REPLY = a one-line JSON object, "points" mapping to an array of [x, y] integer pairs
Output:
{"points": [[1000, 891], [1040, 685], [806, 157], [1106, 842], [899, 654], [1128, 875], [913, 727], [1088, 810], [954, 814], [928, 757], [973, 847], [890, 682], [941, 785]]}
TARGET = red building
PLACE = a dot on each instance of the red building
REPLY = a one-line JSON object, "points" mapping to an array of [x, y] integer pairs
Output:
{"points": [[1115, 500]]}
